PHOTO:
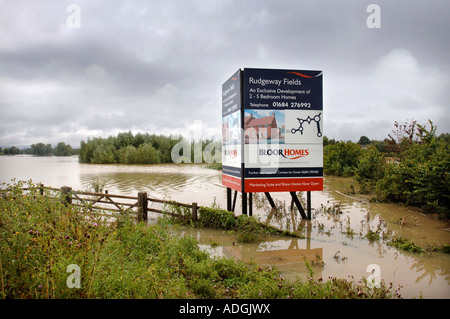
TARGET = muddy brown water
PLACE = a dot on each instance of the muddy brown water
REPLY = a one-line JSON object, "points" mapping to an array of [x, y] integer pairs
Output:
{"points": [[335, 243]]}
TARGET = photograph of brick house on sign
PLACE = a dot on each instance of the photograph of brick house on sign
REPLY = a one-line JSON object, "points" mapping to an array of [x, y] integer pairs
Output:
{"points": [[261, 129]]}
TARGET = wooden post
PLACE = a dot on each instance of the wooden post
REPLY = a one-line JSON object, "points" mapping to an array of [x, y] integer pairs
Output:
{"points": [[194, 212], [41, 188], [142, 206], [67, 196]]}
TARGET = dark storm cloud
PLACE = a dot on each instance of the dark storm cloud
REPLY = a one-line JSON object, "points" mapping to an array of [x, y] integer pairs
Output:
{"points": [[158, 66]]}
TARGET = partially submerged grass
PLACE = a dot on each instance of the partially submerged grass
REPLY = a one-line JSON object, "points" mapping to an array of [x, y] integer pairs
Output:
{"points": [[405, 244], [40, 238], [245, 228]]}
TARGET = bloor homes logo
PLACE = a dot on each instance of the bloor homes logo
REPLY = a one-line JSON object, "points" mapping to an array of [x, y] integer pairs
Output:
{"points": [[231, 153], [288, 153]]}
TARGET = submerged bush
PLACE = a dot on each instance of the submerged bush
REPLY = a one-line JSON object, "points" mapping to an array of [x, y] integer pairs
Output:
{"points": [[417, 172], [421, 178]]}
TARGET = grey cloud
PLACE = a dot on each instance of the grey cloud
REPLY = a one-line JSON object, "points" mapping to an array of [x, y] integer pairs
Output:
{"points": [[158, 66]]}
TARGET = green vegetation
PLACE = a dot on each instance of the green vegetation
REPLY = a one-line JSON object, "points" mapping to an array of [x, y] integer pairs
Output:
{"points": [[40, 238], [126, 148], [405, 244], [248, 229], [341, 158], [10, 151], [411, 167], [441, 248], [41, 149]]}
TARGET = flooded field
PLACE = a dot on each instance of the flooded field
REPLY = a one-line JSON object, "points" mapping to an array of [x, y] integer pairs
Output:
{"points": [[337, 241]]}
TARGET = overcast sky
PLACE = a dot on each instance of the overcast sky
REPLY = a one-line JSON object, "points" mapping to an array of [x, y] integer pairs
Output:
{"points": [[158, 66]]}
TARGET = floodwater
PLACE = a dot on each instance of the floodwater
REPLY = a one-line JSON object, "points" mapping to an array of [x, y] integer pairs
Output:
{"points": [[334, 245]]}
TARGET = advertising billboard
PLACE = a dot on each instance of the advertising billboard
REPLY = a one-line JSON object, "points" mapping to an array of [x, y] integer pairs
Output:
{"points": [[279, 145], [232, 174]]}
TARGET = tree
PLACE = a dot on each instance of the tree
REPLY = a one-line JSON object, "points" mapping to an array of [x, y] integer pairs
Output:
{"points": [[11, 150], [41, 149], [103, 154], [63, 149], [364, 140]]}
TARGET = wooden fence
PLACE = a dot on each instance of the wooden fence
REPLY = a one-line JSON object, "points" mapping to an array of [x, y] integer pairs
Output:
{"points": [[105, 202]]}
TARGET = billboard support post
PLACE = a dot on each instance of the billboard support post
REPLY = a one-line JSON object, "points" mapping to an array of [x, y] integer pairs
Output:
{"points": [[308, 204]]}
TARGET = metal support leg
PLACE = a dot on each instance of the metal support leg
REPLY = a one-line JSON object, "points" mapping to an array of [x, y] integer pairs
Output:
{"points": [[228, 199], [308, 204], [244, 203], [234, 201], [269, 198], [298, 204]]}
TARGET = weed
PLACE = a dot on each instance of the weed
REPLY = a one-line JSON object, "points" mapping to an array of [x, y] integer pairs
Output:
{"points": [[97, 186], [308, 266], [441, 249], [406, 244], [339, 258], [407, 220], [318, 261]]}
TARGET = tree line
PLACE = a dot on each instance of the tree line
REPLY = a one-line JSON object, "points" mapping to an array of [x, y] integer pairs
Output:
{"points": [[410, 166], [41, 149], [127, 148]]}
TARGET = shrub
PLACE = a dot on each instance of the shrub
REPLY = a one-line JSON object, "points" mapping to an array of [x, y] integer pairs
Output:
{"points": [[421, 178], [370, 168], [418, 176], [216, 218], [341, 158]]}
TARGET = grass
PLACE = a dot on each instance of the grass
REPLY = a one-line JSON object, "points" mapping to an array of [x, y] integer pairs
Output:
{"points": [[246, 229], [405, 244], [40, 238]]}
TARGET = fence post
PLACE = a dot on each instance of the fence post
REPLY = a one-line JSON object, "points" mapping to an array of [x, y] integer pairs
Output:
{"points": [[67, 196], [142, 206], [41, 188], [194, 212]]}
